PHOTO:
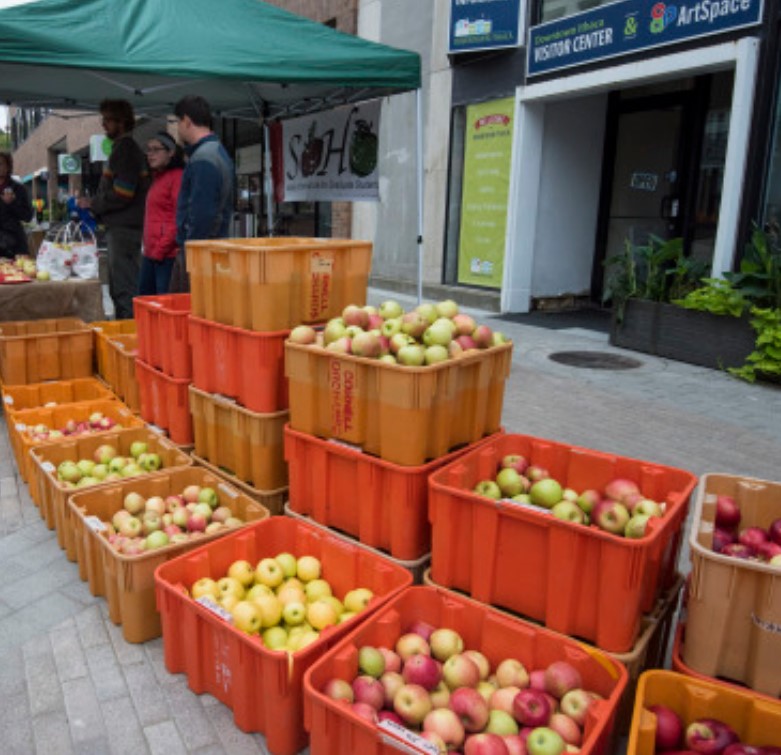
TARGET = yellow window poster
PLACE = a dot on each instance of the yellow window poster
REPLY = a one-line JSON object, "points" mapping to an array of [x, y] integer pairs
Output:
{"points": [[487, 151]]}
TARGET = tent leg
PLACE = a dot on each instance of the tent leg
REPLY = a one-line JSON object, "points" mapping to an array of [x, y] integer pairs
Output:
{"points": [[419, 147], [268, 183]]}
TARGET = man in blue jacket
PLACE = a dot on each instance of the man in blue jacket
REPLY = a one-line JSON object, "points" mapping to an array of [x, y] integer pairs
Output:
{"points": [[206, 196]]}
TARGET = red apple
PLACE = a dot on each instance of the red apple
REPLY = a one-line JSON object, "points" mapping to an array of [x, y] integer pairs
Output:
{"points": [[566, 728], [412, 703], [537, 679], [774, 530], [485, 744], [531, 708], [619, 489], [364, 711], [460, 671], [423, 670], [727, 512], [738, 550], [741, 749], [753, 537], [392, 659], [515, 744], [367, 689], [561, 677], [411, 644], [392, 682], [339, 689], [709, 737], [514, 461], [503, 698], [767, 551], [575, 704], [722, 538], [669, 728], [470, 707], [447, 725], [423, 628], [390, 715]]}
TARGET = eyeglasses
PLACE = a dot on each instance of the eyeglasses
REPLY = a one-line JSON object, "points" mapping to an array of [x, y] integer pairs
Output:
{"points": [[150, 150]]}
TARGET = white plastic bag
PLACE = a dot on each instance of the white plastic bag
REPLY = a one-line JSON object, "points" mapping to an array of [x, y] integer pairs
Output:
{"points": [[55, 255], [85, 252]]}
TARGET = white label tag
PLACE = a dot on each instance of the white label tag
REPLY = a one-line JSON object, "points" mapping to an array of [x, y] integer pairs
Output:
{"points": [[8, 400], [20, 426], [94, 523], [50, 404], [405, 740], [210, 605], [47, 466], [230, 492], [522, 505], [156, 429], [348, 446], [97, 329]]}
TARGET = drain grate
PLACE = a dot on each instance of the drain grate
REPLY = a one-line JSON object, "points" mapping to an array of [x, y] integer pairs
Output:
{"points": [[595, 360]]}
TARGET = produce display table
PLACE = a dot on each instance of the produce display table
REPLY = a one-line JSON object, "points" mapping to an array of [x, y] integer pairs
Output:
{"points": [[40, 300]]}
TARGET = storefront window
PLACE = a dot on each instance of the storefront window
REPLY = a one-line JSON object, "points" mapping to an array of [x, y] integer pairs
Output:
{"points": [[772, 205], [550, 10]]}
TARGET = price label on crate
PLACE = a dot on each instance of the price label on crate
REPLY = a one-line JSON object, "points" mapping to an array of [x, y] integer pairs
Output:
{"points": [[403, 739], [321, 266], [8, 400], [47, 466], [344, 385], [522, 505], [156, 429], [95, 524], [210, 605], [230, 492], [20, 427]]}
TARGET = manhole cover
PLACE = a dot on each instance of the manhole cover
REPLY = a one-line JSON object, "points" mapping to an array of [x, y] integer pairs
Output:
{"points": [[595, 360]]}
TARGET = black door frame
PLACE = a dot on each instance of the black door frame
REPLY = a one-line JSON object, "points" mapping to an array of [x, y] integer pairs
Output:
{"points": [[693, 104]]}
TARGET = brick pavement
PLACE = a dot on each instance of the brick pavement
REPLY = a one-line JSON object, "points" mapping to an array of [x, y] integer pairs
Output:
{"points": [[69, 683]]}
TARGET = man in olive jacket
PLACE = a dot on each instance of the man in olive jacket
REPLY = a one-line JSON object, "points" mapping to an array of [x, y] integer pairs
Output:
{"points": [[119, 204]]}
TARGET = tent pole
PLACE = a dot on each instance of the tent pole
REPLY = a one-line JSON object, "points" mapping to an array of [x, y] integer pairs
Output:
{"points": [[269, 184], [419, 147]]}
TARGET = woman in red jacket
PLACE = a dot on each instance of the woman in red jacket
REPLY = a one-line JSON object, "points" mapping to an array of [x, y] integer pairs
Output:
{"points": [[167, 164]]}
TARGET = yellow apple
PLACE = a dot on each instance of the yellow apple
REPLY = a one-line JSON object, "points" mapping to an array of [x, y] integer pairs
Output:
{"points": [[300, 641], [268, 572], [231, 586], [316, 589], [270, 610], [294, 613], [308, 568], [205, 586], [275, 638], [228, 602], [291, 594], [335, 602], [243, 572], [356, 600], [321, 615], [288, 563], [290, 582], [345, 616], [246, 617]]}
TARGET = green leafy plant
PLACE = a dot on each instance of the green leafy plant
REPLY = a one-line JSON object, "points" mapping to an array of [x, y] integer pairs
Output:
{"points": [[765, 360], [717, 296], [759, 277], [655, 271]]}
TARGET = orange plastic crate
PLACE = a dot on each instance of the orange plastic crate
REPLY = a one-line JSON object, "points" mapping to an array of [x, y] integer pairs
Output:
{"points": [[240, 364], [55, 419], [679, 665], [273, 500], [17, 398], [756, 721], [405, 415], [121, 365], [244, 443], [164, 402], [104, 330], [52, 496], [263, 687], [528, 561], [734, 605], [324, 478], [163, 342], [128, 581], [334, 729], [32, 351], [273, 284]]}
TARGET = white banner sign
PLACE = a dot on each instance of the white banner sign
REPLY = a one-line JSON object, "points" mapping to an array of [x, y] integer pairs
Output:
{"points": [[333, 155]]}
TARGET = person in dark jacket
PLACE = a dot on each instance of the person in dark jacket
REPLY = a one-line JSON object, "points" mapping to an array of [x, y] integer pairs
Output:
{"points": [[206, 197], [119, 204], [167, 165], [15, 209]]}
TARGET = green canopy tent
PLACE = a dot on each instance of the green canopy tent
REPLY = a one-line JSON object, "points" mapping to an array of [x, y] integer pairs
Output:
{"points": [[247, 58]]}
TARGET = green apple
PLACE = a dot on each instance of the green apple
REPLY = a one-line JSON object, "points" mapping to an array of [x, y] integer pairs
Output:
{"points": [[209, 495], [488, 489], [546, 493], [371, 661], [137, 448], [316, 589], [275, 638], [294, 613], [288, 563], [356, 600], [502, 723]]}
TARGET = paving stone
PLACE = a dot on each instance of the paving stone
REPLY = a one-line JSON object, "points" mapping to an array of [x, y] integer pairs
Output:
{"points": [[42, 582], [195, 728], [91, 628], [45, 695], [127, 736], [16, 725], [106, 674], [68, 654], [164, 739], [52, 734], [232, 738], [84, 716], [127, 654], [148, 697]]}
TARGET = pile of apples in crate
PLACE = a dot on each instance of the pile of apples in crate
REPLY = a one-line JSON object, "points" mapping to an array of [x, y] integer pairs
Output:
{"points": [[450, 696], [429, 334], [620, 508], [145, 524], [108, 466], [97, 423], [751, 543], [23, 268], [708, 736], [283, 599]]}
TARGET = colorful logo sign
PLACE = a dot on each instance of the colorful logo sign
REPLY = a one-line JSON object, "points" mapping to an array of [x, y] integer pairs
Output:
{"points": [[484, 24], [662, 16]]}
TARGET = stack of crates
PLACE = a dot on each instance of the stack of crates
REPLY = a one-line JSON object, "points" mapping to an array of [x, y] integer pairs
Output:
{"points": [[614, 592], [164, 364], [247, 294], [732, 625], [365, 436]]}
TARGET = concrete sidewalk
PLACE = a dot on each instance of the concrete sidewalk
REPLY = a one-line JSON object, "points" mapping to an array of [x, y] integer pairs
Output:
{"points": [[70, 684]]}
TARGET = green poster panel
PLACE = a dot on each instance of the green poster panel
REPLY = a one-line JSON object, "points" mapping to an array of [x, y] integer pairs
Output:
{"points": [[487, 149]]}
